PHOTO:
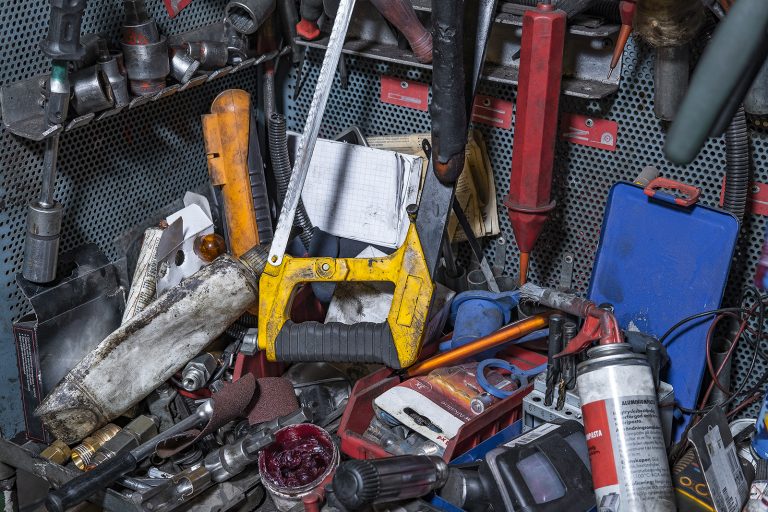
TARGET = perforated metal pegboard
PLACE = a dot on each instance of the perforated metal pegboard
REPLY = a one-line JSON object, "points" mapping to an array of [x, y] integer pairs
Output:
{"points": [[113, 174], [583, 176]]}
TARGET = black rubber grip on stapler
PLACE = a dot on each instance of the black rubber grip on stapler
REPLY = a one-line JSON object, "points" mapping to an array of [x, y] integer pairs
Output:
{"points": [[363, 342]]}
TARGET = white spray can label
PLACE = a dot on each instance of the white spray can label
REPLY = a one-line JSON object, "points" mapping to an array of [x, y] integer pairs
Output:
{"points": [[630, 471]]}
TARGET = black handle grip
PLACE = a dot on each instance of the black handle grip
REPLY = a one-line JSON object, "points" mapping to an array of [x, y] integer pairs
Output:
{"points": [[86, 485], [363, 342], [448, 108]]}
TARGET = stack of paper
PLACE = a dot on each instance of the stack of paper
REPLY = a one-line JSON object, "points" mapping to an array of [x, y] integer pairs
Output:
{"points": [[475, 190], [361, 193]]}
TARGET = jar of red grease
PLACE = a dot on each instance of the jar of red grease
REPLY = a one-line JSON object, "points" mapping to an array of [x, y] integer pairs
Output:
{"points": [[300, 460]]}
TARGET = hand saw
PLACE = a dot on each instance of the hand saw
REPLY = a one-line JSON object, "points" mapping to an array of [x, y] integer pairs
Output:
{"points": [[397, 341]]}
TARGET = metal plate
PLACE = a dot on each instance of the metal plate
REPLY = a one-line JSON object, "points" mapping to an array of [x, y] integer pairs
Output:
{"points": [[583, 175], [113, 173]]}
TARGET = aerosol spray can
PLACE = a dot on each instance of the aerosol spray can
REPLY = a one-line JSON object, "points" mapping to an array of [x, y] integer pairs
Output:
{"points": [[630, 471]]}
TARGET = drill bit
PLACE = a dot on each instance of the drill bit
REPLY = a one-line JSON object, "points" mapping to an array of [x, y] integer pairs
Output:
{"points": [[554, 347], [570, 330], [560, 395]]}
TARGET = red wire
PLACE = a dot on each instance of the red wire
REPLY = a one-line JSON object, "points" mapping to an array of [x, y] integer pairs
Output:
{"points": [[197, 395], [746, 403], [715, 376]]}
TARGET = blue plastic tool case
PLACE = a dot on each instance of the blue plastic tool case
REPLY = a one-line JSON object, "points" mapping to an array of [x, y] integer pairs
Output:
{"points": [[658, 262]]}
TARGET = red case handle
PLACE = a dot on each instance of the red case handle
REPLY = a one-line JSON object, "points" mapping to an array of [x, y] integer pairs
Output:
{"points": [[692, 193]]}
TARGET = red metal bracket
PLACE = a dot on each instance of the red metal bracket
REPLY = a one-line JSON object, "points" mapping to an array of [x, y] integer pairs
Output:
{"points": [[404, 93], [757, 198], [174, 7], [493, 112], [589, 131]]}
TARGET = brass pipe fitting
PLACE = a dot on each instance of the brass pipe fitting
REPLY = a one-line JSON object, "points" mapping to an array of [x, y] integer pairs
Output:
{"points": [[82, 453], [57, 452], [136, 433]]}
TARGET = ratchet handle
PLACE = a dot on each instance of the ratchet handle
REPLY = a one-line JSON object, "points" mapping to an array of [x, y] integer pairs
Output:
{"points": [[86, 485], [363, 342]]}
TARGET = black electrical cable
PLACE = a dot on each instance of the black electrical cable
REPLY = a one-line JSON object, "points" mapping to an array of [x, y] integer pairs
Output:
{"points": [[761, 305], [761, 302], [697, 316], [282, 170], [227, 359]]}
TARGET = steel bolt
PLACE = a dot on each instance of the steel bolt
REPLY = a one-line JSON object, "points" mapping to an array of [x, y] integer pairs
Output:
{"points": [[198, 372], [250, 344]]}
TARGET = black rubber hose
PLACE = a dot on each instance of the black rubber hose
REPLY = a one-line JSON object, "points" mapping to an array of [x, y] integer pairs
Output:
{"points": [[737, 165], [281, 167], [725, 64]]}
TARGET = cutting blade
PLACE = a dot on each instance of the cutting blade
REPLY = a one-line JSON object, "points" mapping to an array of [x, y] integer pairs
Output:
{"points": [[311, 130]]}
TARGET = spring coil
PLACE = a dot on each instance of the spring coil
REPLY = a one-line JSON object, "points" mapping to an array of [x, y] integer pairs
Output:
{"points": [[737, 165], [281, 167]]}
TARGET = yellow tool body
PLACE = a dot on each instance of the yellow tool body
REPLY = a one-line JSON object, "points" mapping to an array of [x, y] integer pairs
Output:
{"points": [[395, 343]]}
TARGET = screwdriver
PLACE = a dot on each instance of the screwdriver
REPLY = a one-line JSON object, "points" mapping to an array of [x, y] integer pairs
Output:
{"points": [[627, 10], [538, 95]]}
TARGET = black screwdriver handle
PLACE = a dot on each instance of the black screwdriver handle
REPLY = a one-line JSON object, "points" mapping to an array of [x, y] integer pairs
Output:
{"points": [[86, 485]]}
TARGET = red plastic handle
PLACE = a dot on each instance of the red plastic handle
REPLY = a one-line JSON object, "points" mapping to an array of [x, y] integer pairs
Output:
{"points": [[627, 10], [691, 193]]}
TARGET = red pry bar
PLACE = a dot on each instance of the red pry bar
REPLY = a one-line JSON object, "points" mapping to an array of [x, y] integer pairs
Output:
{"points": [[538, 94]]}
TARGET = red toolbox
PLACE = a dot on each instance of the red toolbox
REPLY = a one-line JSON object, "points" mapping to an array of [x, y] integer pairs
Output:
{"points": [[359, 412]]}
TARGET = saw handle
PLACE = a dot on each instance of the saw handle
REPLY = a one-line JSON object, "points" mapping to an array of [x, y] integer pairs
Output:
{"points": [[363, 342], [396, 342]]}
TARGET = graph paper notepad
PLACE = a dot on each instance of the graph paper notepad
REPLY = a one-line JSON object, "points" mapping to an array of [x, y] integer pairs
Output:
{"points": [[361, 193]]}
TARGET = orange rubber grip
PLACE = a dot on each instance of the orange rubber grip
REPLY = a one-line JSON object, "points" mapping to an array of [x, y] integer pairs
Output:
{"points": [[226, 131]]}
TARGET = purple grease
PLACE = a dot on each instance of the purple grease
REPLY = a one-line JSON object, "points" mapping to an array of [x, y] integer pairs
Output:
{"points": [[300, 455]]}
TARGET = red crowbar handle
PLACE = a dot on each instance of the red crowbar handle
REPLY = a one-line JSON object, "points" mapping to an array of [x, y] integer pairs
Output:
{"points": [[691, 193], [538, 95], [599, 324]]}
